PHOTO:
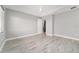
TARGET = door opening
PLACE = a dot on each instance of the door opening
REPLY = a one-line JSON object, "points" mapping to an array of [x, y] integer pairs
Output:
{"points": [[44, 27]]}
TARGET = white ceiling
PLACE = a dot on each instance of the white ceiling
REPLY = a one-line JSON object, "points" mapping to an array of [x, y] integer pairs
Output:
{"points": [[39, 10]]}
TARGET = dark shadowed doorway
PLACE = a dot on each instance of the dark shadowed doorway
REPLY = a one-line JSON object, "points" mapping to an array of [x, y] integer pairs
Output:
{"points": [[44, 26]]}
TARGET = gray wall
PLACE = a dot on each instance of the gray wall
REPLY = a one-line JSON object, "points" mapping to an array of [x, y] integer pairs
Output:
{"points": [[2, 31], [40, 25], [19, 24], [49, 25], [67, 24]]}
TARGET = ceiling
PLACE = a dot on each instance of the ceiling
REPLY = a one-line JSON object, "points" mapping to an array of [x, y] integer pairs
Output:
{"points": [[40, 10]]}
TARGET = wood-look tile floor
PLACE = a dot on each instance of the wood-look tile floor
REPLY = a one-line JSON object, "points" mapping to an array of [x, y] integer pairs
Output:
{"points": [[41, 44]]}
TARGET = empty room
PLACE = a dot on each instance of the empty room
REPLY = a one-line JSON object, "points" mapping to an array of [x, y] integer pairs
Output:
{"points": [[39, 29]]}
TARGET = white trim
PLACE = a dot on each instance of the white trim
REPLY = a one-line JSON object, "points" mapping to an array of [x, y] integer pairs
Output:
{"points": [[49, 34], [23, 36], [66, 37], [1, 47], [36, 34]]}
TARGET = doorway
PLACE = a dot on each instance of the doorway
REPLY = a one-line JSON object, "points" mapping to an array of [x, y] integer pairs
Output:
{"points": [[44, 27]]}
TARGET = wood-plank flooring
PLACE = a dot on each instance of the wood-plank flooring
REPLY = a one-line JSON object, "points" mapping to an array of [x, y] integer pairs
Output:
{"points": [[41, 44]]}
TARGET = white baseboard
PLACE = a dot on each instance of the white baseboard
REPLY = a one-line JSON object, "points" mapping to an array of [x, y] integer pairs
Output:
{"points": [[1, 47], [66, 37], [23, 36], [37, 34]]}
